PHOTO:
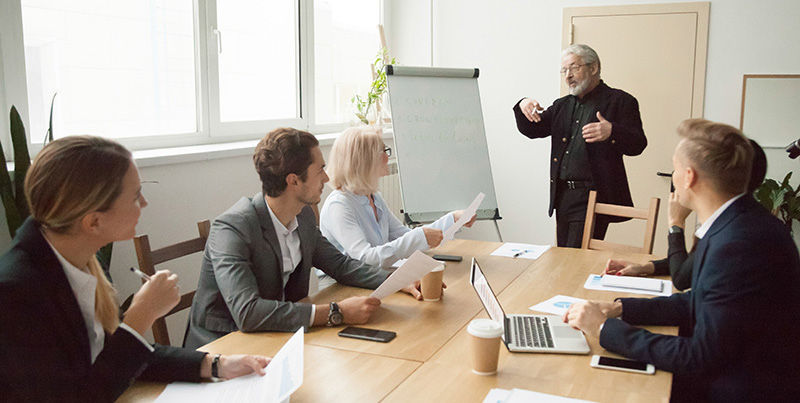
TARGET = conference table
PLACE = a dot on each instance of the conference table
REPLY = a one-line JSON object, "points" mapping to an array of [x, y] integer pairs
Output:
{"points": [[429, 359]]}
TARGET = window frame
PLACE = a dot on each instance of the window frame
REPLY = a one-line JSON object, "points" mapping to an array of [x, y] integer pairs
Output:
{"points": [[13, 84]]}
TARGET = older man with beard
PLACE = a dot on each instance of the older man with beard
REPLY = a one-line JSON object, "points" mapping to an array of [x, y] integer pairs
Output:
{"points": [[590, 129]]}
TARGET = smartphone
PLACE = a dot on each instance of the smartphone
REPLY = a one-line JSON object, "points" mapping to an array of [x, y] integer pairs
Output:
{"points": [[620, 364], [447, 258], [382, 336]]}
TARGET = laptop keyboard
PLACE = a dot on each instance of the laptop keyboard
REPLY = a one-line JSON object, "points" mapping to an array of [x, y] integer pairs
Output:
{"points": [[533, 331]]}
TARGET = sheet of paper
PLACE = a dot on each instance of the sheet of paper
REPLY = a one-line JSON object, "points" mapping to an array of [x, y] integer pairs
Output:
{"points": [[450, 232], [637, 283], [522, 395], [594, 282], [520, 250], [398, 263], [418, 265], [557, 305], [282, 377], [496, 395]]}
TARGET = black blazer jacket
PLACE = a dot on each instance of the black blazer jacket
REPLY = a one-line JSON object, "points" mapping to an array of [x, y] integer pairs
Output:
{"points": [[605, 158], [743, 341], [44, 345]]}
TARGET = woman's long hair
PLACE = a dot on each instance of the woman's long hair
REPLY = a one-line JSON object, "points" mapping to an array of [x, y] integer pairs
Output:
{"points": [[72, 177]]}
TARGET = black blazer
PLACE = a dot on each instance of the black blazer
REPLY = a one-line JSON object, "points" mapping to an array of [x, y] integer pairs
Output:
{"points": [[743, 341], [678, 264], [44, 345], [605, 158]]}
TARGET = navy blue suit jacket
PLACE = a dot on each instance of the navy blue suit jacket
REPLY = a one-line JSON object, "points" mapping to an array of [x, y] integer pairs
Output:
{"points": [[741, 315], [44, 345]]}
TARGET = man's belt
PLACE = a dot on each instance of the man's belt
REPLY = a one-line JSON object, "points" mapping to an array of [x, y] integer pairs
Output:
{"points": [[577, 184]]}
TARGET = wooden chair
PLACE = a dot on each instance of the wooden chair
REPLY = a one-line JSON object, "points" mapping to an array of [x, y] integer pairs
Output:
{"points": [[594, 208], [149, 258]]}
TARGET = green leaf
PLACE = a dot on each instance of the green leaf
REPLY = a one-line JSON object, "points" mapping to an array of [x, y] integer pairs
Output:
{"points": [[22, 161]]}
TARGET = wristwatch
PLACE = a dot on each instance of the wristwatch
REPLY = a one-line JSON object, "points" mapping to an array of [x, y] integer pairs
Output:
{"points": [[215, 367], [335, 317], [675, 230]]}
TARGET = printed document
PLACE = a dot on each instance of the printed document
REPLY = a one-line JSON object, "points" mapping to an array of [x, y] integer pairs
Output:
{"points": [[418, 265], [450, 232]]}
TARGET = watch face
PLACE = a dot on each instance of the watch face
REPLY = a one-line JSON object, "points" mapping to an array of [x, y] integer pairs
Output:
{"points": [[336, 318]]}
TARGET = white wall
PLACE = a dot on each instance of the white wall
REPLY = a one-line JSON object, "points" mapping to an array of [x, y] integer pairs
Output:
{"points": [[517, 44]]}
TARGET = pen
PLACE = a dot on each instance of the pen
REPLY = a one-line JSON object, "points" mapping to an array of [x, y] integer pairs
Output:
{"points": [[141, 274], [518, 253]]}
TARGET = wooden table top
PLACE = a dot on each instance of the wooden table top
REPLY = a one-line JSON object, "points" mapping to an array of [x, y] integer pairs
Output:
{"points": [[427, 360]]}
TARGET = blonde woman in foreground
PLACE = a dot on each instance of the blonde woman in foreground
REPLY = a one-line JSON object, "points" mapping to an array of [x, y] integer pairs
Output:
{"points": [[61, 338]]}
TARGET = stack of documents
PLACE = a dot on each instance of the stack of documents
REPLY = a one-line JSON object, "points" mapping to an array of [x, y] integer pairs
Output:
{"points": [[522, 395], [635, 285]]}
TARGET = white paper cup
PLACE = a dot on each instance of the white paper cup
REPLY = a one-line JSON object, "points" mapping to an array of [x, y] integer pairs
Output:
{"points": [[431, 284], [484, 343]]}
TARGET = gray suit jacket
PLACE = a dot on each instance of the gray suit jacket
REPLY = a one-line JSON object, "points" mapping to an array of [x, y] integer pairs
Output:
{"points": [[241, 282]]}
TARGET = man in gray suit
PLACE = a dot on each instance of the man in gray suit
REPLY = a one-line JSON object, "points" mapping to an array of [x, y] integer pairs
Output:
{"points": [[260, 252]]}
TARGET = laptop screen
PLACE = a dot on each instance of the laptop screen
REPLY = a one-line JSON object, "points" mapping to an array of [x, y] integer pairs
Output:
{"points": [[486, 295]]}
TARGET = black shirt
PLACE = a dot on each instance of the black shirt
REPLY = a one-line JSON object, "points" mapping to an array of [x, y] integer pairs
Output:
{"points": [[575, 162]]}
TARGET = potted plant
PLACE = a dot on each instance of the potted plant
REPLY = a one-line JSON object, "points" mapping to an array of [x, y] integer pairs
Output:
{"points": [[781, 199], [364, 110], [12, 193]]}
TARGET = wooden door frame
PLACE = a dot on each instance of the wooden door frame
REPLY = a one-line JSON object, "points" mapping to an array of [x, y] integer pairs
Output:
{"points": [[701, 11]]}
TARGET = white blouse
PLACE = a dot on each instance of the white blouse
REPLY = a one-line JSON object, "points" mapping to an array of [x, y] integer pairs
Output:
{"points": [[348, 222], [83, 286]]}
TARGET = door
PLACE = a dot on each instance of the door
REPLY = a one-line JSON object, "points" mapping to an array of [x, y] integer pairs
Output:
{"points": [[657, 53]]}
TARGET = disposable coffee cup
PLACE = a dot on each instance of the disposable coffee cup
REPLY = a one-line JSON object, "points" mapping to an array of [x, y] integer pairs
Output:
{"points": [[431, 284], [484, 335]]}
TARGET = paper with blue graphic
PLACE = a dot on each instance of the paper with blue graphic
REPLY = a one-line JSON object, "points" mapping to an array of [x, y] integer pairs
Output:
{"points": [[557, 305]]}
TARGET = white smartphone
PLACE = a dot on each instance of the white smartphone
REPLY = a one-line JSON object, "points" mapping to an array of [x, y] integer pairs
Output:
{"points": [[620, 364]]}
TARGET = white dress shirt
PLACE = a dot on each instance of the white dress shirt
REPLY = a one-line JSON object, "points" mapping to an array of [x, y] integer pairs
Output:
{"points": [[289, 239], [701, 232], [83, 286], [348, 222]]}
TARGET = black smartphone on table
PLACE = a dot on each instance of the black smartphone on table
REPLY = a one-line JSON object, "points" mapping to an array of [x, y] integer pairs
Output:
{"points": [[447, 258], [382, 336]]}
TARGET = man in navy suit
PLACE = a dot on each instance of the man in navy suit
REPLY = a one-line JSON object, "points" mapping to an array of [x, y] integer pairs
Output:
{"points": [[740, 337]]}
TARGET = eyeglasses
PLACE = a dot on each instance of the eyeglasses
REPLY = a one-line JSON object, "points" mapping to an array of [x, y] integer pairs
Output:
{"points": [[388, 151], [572, 69]]}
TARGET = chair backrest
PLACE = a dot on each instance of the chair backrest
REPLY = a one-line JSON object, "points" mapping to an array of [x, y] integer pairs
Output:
{"points": [[149, 258], [594, 208]]}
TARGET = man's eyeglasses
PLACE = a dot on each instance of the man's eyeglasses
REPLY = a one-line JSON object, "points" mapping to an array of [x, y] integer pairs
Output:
{"points": [[572, 69], [388, 151]]}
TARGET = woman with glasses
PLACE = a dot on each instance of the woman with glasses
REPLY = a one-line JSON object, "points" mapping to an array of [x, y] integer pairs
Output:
{"points": [[356, 219], [61, 338]]}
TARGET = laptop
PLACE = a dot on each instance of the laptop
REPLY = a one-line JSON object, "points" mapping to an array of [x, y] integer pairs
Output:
{"points": [[527, 333]]}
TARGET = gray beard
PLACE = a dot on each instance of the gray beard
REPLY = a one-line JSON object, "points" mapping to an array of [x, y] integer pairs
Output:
{"points": [[580, 88]]}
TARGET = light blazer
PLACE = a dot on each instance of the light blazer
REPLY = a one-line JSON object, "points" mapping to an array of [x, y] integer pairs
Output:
{"points": [[741, 315], [241, 276], [44, 345]]}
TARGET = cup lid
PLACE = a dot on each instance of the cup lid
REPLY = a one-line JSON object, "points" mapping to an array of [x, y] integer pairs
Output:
{"points": [[440, 267], [485, 328]]}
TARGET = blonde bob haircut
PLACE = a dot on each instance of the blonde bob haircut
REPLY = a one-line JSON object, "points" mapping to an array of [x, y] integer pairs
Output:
{"points": [[70, 178], [354, 157]]}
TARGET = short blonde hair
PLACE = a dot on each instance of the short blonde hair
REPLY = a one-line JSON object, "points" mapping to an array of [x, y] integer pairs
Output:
{"points": [[718, 150], [353, 159]]}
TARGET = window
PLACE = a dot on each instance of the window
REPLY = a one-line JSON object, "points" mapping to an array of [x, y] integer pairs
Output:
{"points": [[345, 44], [121, 69], [160, 73]]}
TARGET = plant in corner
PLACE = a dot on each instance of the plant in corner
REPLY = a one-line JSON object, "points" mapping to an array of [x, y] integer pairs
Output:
{"points": [[12, 193], [376, 90], [781, 199]]}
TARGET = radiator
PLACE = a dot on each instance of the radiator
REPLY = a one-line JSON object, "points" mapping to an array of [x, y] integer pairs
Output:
{"points": [[389, 186]]}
